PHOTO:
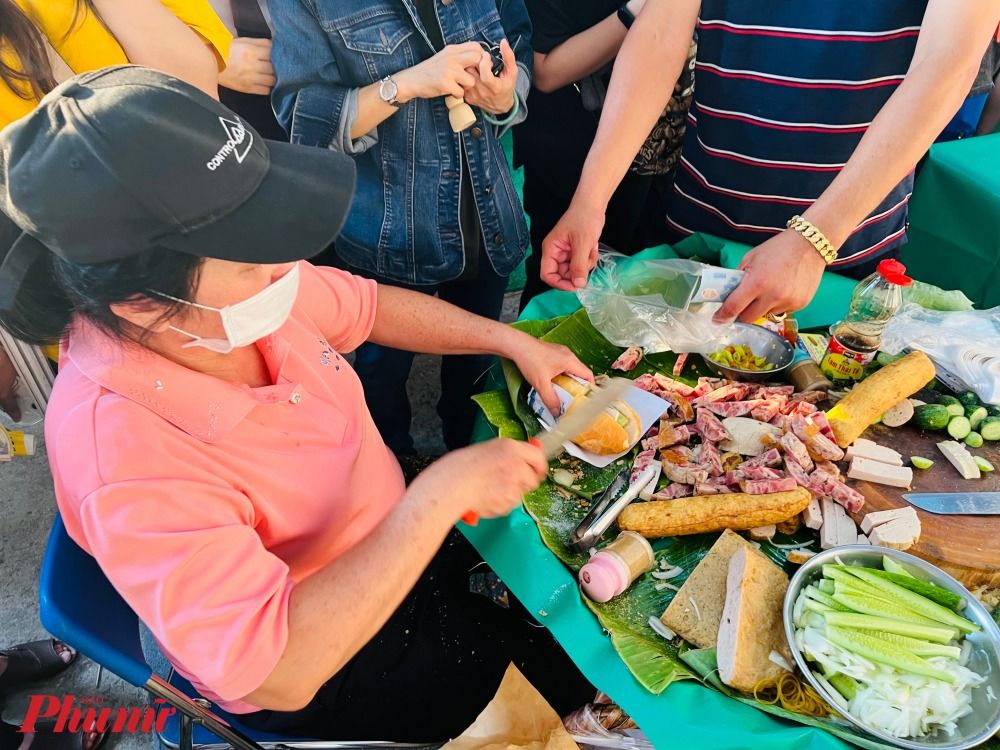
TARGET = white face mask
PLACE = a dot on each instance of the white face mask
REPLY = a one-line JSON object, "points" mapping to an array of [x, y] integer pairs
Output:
{"points": [[250, 320]]}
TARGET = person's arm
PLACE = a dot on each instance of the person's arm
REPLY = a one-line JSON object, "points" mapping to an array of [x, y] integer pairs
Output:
{"points": [[784, 272], [443, 74], [646, 69], [317, 107], [989, 120], [248, 66], [582, 54], [422, 323], [336, 611], [154, 37]]}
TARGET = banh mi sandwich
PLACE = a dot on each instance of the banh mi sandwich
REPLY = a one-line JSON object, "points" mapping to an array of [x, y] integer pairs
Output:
{"points": [[614, 431]]}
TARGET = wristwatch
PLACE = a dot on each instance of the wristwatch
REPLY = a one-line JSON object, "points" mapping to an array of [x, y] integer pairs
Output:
{"points": [[626, 16], [388, 91]]}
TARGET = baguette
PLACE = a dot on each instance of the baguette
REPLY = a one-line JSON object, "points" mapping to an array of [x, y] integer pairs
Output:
{"points": [[615, 430], [706, 513], [872, 397]]}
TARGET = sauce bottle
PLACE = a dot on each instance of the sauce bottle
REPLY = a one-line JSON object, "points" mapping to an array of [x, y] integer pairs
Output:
{"points": [[855, 340]]}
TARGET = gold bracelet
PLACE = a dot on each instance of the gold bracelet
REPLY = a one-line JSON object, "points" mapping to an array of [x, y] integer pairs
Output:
{"points": [[814, 236]]}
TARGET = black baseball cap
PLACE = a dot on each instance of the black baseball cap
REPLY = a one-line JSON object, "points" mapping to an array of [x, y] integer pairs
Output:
{"points": [[124, 160]]}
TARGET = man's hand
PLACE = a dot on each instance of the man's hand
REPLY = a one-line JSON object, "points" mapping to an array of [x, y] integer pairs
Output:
{"points": [[249, 68], [539, 362], [569, 253], [495, 94], [782, 275]]}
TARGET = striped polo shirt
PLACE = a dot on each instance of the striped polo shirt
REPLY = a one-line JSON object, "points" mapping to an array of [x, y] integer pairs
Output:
{"points": [[784, 92]]}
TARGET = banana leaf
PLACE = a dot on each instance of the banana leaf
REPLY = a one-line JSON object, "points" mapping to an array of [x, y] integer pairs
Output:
{"points": [[557, 511]]}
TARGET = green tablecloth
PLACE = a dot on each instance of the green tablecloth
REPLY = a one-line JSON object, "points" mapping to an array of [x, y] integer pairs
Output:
{"points": [[686, 713], [954, 236]]}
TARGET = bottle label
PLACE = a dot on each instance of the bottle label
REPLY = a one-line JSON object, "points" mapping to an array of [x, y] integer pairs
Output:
{"points": [[841, 363]]}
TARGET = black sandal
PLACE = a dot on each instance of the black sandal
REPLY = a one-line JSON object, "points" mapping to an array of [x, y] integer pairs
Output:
{"points": [[33, 661]]}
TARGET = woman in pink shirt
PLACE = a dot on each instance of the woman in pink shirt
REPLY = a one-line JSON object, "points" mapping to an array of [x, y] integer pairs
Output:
{"points": [[210, 445]]}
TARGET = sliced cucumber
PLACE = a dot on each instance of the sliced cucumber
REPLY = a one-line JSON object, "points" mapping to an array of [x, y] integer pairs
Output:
{"points": [[914, 602], [984, 466], [891, 566], [916, 646], [955, 407], [990, 428], [976, 414], [938, 594], [889, 625], [844, 685], [885, 653], [920, 463], [974, 440], [959, 428]]}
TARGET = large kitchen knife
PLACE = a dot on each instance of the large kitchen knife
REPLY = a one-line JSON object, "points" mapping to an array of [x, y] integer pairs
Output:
{"points": [[573, 423], [957, 503]]}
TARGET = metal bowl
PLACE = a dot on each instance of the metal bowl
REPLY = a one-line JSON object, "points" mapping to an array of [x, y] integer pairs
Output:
{"points": [[974, 729], [763, 343]]}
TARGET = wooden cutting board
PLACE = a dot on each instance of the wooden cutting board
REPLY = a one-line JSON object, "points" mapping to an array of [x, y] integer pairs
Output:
{"points": [[967, 547]]}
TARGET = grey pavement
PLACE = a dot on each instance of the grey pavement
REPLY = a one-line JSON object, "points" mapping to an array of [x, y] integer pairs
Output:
{"points": [[27, 507]]}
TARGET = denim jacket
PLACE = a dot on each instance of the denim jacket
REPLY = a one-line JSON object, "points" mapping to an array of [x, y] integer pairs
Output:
{"points": [[404, 222]]}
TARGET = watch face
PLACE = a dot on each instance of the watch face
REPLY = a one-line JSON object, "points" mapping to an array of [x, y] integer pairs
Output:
{"points": [[388, 90]]}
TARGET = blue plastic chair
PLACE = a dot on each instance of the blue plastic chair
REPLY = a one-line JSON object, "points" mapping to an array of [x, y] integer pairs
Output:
{"points": [[78, 605]]}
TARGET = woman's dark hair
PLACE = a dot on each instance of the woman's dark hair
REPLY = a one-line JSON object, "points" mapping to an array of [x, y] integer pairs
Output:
{"points": [[30, 76], [54, 292]]}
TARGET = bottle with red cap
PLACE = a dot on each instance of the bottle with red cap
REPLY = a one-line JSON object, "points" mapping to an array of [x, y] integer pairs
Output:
{"points": [[855, 340]]}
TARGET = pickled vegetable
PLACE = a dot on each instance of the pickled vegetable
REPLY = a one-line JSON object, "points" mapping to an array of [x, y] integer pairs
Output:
{"points": [[741, 357]]}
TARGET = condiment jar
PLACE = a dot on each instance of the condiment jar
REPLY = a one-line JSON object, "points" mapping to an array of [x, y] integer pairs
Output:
{"points": [[805, 374], [613, 569]]}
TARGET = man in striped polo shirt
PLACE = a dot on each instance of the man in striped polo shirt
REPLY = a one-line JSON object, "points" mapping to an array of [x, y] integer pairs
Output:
{"points": [[817, 110]]}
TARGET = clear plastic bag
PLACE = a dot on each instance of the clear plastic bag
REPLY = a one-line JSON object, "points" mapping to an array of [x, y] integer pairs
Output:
{"points": [[660, 305], [966, 345]]}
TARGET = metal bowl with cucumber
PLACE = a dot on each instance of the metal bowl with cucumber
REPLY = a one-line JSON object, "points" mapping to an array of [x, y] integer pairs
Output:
{"points": [[893, 643]]}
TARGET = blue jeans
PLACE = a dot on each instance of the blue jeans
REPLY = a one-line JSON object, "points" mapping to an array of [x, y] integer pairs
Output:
{"points": [[384, 371]]}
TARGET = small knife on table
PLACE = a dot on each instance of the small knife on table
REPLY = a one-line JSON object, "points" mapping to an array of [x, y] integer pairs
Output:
{"points": [[573, 423], [957, 503]]}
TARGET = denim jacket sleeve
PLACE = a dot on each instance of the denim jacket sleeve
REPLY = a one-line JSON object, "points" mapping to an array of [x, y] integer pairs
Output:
{"points": [[310, 99], [517, 26]]}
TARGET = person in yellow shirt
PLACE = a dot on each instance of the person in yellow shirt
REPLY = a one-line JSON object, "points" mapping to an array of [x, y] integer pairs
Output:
{"points": [[182, 37], [91, 34]]}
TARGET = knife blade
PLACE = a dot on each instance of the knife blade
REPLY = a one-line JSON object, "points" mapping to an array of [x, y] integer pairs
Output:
{"points": [[573, 423], [956, 503]]}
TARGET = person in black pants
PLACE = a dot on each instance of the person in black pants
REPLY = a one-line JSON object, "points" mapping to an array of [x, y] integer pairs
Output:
{"points": [[575, 42]]}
